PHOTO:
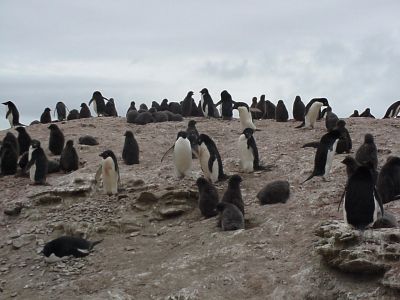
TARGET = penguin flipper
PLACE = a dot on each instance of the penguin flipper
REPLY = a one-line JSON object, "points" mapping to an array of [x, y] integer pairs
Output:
{"points": [[95, 243], [79, 252], [311, 144], [168, 151], [301, 125], [311, 176]]}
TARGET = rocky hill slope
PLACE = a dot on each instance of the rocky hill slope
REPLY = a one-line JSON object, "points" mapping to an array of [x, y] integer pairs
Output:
{"points": [[156, 243]]}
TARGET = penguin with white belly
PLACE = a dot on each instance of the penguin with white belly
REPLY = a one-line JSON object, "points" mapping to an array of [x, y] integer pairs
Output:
{"points": [[246, 120], [312, 112], [109, 172], [210, 159]]}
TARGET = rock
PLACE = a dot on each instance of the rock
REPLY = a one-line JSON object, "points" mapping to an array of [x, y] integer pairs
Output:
{"points": [[48, 200], [22, 241], [147, 197], [387, 221], [13, 210], [392, 278]]}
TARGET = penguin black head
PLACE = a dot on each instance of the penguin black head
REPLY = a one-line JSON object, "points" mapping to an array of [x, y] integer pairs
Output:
{"points": [[324, 101], [369, 139], [254, 100], [165, 101], [133, 103], [107, 153], [204, 91], [47, 109], [181, 134], [340, 124], [83, 104], [111, 100], [53, 127], [97, 95], [201, 181], [356, 112], [262, 98], [35, 144], [8, 103], [143, 106], [368, 110], [335, 133], [192, 123], [328, 109], [203, 138], [20, 129], [350, 161], [128, 134], [248, 132], [297, 98], [235, 180], [190, 94], [70, 143]]}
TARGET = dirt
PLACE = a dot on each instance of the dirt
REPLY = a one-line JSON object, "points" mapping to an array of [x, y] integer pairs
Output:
{"points": [[183, 256]]}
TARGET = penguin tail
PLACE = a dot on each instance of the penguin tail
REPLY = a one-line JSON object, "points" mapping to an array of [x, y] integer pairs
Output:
{"points": [[311, 176], [95, 243], [301, 125], [311, 144]]}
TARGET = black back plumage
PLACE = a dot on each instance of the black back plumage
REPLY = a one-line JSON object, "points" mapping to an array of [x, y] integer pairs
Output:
{"points": [[10, 138], [233, 193], [344, 144], [24, 139], [299, 109], [8, 159], [56, 140], [192, 133], [214, 154], [392, 111], [68, 245], [227, 104], [367, 114], [69, 160], [110, 110], [388, 183], [270, 109], [208, 198], [251, 144], [187, 104], [368, 153], [330, 119], [208, 104], [45, 118], [85, 111], [61, 111], [130, 152]]}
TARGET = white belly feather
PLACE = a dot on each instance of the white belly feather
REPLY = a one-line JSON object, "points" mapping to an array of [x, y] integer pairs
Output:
{"points": [[246, 157], [182, 157], [110, 176]]}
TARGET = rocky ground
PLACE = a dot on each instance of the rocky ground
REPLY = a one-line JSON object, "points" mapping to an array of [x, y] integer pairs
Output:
{"points": [[156, 244]]}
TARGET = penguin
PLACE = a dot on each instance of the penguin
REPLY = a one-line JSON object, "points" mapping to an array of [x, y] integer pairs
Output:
{"points": [[88, 140], [210, 159], [56, 140], [330, 119], [45, 118], [109, 172], [393, 110], [8, 159], [143, 108], [192, 135], [61, 110], [73, 115], [233, 194], [255, 114], [24, 139], [98, 103], [355, 114], [130, 152], [182, 155], [110, 110], [195, 110], [208, 198], [368, 153], [12, 114], [231, 218], [10, 138], [277, 191], [299, 109], [187, 105], [351, 165], [144, 118], [246, 121], [69, 245], [227, 103], [164, 105], [38, 163], [367, 114], [361, 202], [344, 144], [248, 152], [131, 116], [262, 106], [388, 183], [324, 155], [207, 104], [281, 113], [69, 160], [156, 105], [85, 111], [270, 109], [132, 106], [175, 108], [312, 111], [53, 166]]}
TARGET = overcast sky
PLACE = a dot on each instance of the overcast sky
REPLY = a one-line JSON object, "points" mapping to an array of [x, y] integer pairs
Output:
{"points": [[346, 51]]}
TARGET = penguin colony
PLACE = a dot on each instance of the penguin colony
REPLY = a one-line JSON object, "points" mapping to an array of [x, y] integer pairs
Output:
{"points": [[365, 192]]}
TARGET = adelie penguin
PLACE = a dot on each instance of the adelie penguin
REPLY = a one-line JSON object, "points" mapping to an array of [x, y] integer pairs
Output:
{"points": [[324, 155], [61, 110], [56, 140], [85, 111], [355, 114], [10, 138], [210, 159], [312, 112], [68, 245], [388, 183], [45, 118], [8, 159], [38, 163], [331, 119], [345, 144], [246, 120], [69, 160], [367, 114], [270, 109], [110, 110], [12, 114], [368, 153], [109, 172], [393, 110], [361, 202], [99, 105], [208, 198], [248, 152], [233, 193], [207, 105], [187, 104], [182, 155], [24, 139], [130, 152], [281, 113], [227, 103], [231, 218], [299, 109]]}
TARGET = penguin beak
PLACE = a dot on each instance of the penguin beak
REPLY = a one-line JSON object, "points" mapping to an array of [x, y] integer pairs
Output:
{"points": [[4, 103]]}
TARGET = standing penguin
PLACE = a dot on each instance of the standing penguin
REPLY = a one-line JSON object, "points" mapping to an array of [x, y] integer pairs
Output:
{"points": [[312, 112], [69, 160], [269, 110], [45, 118], [182, 155], [330, 119], [207, 104], [299, 109], [98, 103], [8, 159], [208, 198], [281, 113], [355, 114], [133, 107], [393, 110], [324, 155], [254, 113], [24, 139], [12, 114], [246, 121], [367, 153], [367, 114], [210, 160], [261, 105], [61, 110], [109, 172], [56, 140], [187, 105], [388, 183], [233, 194], [130, 153], [361, 201], [38, 163], [227, 103], [85, 111], [192, 134], [248, 152], [10, 138], [345, 143], [110, 110]]}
